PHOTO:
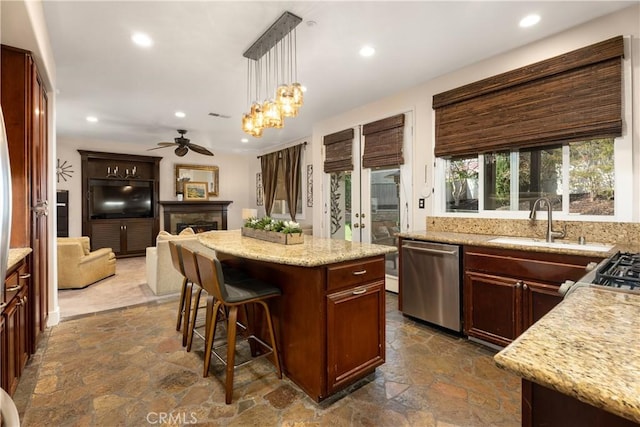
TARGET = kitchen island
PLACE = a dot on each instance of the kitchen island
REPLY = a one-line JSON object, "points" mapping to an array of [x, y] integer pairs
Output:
{"points": [[330, 319], [580, 363]]}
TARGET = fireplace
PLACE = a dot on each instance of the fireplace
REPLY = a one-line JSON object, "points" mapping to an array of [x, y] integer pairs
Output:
{"points": [[199, 215], [198, 227]]}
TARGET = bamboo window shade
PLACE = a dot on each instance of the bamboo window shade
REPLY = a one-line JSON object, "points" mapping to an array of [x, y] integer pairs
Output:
{"points": [[383, 142], [338, 153], [571, 97]]}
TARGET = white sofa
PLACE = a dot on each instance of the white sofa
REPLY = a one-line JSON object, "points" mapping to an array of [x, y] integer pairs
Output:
{"points": [[162, 277]]}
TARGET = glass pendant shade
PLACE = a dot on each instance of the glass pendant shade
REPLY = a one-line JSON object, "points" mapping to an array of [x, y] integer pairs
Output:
{"points": [[272, 115], [257, 115], [298, 95], [247, 123], [256, 132], [284, 98]]}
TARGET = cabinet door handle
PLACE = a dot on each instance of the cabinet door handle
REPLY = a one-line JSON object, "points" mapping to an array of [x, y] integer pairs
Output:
{"points": [[14, 288], [518, 284], [359, 273], [25, 276], [359, 291], [525, 287], [356, 225], [362, 224]]}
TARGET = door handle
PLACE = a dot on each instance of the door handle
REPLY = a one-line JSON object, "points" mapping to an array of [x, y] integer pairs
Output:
{"points": [[356, 225], [362, 225]]}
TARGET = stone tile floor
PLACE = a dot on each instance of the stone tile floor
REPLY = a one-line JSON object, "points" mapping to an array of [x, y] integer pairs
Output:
{"points": [[128, 368]]}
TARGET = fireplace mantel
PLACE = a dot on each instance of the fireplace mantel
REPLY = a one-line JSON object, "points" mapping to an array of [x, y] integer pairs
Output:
{"points": [[216, 208]]}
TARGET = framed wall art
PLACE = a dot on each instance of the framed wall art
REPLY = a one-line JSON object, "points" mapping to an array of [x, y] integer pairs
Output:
{"points": [[194, 190], [259, 190], [310, 186]]}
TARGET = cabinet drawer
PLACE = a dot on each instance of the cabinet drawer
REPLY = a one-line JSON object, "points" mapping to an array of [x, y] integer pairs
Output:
{"points": [[355, 273], [553, 268]]}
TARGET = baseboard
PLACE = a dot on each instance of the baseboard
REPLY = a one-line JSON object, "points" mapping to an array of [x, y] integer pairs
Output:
{"points": [[54, 317]]}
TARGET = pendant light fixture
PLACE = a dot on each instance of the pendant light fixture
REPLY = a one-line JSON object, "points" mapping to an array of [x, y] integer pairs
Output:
{"points": [[273, 91]]}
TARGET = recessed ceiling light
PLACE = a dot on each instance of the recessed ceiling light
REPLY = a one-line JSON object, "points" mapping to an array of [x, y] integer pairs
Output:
{"points": [[529, 20], [180, 114], [244, 140], [142, 39], [367, 51], [92, 119]]}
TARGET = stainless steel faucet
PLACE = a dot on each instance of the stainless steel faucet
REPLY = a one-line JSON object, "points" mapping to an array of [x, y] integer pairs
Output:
{"points": [[550, 233]]}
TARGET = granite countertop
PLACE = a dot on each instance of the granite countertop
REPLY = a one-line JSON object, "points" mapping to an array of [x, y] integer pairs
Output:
{"points": [[588, 347], [313, 252], [485, 240], [16, 255]]}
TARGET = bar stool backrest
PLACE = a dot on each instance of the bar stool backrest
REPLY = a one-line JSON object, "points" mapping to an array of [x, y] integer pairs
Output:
{"points": [[190, 266], [176, 257], [212, 276]]}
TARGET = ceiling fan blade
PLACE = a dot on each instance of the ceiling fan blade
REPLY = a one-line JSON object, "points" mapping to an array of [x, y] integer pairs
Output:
{"points": [[199, 149], [157, 148], [167, 144], [181, 151]]}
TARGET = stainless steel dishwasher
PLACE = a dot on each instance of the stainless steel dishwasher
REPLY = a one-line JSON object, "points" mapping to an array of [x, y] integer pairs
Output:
{"points": [[431, 283]]}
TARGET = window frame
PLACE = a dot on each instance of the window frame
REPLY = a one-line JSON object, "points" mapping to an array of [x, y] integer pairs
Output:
{"points": [[627, 201]]}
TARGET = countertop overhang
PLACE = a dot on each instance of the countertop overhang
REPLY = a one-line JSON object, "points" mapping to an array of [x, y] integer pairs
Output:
{"points": [[587, 347], [315, 251]]}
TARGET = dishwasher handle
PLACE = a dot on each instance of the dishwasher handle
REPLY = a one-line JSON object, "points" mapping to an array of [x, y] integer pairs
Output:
{"points": [[429, 251]]}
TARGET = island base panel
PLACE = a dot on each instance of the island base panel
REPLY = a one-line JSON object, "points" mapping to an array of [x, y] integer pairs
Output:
{"points": [[542, 406]]}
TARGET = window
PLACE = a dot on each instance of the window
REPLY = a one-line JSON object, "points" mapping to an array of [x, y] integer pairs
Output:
{"points": [[280, 205], [513, 180]]}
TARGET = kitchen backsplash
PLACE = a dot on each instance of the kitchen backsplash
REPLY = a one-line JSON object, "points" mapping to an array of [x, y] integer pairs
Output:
{"points": [[602, 232]]}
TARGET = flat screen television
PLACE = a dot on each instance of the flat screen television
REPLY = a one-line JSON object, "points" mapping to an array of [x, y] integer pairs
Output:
{"points": [[110, 199]]}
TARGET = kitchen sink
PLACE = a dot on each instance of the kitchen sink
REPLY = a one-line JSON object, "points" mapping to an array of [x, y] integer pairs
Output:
{"points": [[529, 241]]}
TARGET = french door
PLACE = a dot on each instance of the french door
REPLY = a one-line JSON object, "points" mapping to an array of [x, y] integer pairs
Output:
{"points": [[366, 205]]}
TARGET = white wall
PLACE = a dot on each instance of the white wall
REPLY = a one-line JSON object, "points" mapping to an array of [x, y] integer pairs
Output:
{"points": [[419, 99], [233, 173]]}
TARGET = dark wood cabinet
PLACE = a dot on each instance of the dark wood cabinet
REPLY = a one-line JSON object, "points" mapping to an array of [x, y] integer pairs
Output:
{"points": [[17, 331], [507, 291], [126, 236], [329, 320], [355, 333], [542, 406], [25, 106]]}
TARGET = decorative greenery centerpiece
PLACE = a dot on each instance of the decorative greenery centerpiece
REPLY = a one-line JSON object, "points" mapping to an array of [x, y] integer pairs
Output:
{"points": [[273, 230]]}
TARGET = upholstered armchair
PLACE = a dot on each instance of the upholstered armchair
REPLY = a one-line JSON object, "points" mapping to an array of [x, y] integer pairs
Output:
{"points": [[78, 267]]}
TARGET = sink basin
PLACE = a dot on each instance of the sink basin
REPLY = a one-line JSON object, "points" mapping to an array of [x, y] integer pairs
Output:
{"points": [[529, 241]]}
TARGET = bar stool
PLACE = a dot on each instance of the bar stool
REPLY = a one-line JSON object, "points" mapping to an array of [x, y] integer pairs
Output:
{"points": [[185, 289], [193, 276], [232, 276], [232, 296]]}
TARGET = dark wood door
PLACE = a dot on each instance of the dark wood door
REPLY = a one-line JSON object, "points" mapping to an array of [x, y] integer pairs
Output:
{"points": [[355, 333], [138, 235], [40, 210], [538, 300], [492, 307], [106, 233]]}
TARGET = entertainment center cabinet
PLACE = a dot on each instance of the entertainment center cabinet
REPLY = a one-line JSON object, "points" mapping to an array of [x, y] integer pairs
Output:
{"points": [[120, 204]]}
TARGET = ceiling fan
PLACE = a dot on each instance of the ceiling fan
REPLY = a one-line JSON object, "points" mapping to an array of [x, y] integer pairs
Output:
{"points": [[183, 145]]}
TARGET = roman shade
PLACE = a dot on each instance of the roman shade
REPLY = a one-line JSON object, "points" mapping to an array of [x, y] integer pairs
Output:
{"points": [[570, 97], [383, 142], [338, 151]]}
